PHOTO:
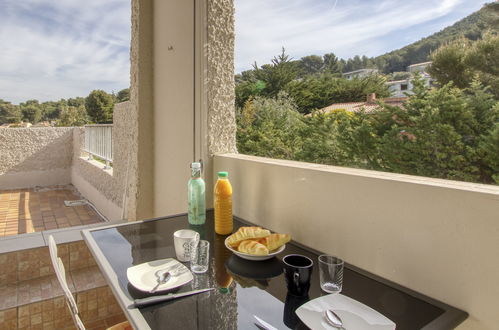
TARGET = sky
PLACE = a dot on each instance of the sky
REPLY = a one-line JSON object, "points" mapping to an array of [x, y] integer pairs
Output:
{"points": [[60, 49], [344, 27]]}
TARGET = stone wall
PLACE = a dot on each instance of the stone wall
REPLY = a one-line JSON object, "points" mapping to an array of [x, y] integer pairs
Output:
{"points": [[220, 77], [38, 156], [105, 188]]}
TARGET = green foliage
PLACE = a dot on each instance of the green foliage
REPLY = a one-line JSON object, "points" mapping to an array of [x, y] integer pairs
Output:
{"points": [[276, 75], [9, 113], [31, 113], [73, 116], [462, 61], [311, 64], [99, 105], [319, 91], [332, 65], [449, 133], [123, 95], [268, 127], [489, 148], [472, 27]]}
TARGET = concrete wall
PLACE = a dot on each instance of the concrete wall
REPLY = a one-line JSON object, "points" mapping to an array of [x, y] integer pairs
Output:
{"points": [[184, 108], [438, 237], [106, 189], [140, 204], [32, 157], [173, 103]]}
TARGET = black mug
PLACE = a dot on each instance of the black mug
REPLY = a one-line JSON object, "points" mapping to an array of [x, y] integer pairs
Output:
{"points": [[292, 303], [297, 271]]}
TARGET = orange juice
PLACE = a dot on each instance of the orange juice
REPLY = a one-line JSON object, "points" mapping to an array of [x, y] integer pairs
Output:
{"points": [[223, 205]]}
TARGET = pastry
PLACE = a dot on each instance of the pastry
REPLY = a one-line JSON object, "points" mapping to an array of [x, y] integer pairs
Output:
{"points": [[253, 247], [275, 241], [245, 233]]}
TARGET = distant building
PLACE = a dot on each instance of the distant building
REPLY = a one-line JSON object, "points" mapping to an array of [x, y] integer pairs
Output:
{"points": [[359, 73], [400, 88], [418, 67], [369, 105]]}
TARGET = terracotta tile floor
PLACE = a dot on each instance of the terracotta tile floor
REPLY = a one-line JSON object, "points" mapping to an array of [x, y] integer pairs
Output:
{"points": [[31, 210]]}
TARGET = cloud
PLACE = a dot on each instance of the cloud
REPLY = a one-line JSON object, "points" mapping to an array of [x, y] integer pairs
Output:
{"points": [[61, 49], [345, 27]]}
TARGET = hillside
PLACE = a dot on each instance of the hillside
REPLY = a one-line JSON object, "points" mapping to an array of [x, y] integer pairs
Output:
{"points": [[471, 27]]}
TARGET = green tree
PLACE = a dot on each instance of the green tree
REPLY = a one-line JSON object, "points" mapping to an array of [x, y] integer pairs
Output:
{"points": [[331, 64], [316, 92], [311, 64], [99, 106], [76, 102], [277, 74], [489, 148], [73, 116], [269, 127], [449, 64], [463, 61], [31, 113], [319, 139], [123, 95], [9, 113]]}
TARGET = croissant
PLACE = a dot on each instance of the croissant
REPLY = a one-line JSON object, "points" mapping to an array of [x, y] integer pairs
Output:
{"points": [[245, 233], [253, 247], [275, 241]]}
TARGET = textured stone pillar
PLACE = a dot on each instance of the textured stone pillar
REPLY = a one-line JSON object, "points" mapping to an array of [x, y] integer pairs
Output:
{"points": [[140, 203]]}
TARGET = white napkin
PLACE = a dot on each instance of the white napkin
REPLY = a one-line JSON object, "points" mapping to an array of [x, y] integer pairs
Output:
{"points": [[354, 314]]}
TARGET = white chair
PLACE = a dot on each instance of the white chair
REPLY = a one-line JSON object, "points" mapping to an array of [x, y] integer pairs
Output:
{"points": [[70, 300]]}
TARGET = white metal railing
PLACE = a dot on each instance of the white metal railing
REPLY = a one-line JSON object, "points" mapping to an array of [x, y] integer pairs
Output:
{"points": [[99, 142]]}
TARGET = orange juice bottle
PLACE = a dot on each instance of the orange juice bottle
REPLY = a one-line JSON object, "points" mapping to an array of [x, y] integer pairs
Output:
{"points": [[223, 205]]}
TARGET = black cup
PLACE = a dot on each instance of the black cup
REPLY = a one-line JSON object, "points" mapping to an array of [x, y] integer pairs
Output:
{"points": [[297, 271], [292, 303]]}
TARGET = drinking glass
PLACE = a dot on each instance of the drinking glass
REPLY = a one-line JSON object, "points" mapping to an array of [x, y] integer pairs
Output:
{"points": [[331, 273], [199, 256]]}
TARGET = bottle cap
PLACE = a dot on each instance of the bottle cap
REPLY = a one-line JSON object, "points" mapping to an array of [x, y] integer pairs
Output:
{"points": [[224, 290], [196, 165], [223, 174]]}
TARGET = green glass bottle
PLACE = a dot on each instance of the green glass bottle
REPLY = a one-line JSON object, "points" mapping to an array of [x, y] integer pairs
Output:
{"points": [[196, 196]]}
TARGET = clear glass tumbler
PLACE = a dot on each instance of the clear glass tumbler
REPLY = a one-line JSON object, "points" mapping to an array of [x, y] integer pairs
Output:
{"points": [[331, 273], [200, 256]]}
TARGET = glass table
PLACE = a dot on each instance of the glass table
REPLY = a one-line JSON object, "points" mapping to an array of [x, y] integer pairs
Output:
{"points": [[244, 289]]}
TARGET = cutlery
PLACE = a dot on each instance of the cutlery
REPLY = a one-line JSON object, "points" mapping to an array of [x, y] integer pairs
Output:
{"points": [[333, 319], [263, 325], [157, 299], [164, 275], [162, 278]]}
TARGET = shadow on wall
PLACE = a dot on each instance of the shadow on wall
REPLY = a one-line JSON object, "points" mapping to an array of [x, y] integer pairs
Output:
{"points": [[35, 149]]}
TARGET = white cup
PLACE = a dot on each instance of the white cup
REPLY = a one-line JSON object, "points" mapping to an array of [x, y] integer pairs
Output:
{"points": [[182, 239]]}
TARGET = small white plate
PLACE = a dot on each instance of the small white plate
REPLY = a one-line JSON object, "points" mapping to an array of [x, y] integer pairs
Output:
{"points": [[144, 278], [354, 314], [254, 257]]}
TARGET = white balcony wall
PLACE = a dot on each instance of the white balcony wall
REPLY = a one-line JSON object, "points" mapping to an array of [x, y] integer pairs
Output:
{"points": [[105, 188], [36, 156], [438, 237]]}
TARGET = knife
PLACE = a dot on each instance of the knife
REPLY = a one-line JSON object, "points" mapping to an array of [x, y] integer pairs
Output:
{"points": [[157, 299], [263, 325]]}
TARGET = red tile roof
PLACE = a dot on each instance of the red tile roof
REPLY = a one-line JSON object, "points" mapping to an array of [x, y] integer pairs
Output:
{"points": [[368, 106]]}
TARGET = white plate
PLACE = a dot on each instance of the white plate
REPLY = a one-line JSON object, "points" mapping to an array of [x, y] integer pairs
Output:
{"points": [[354, 314], [144, 278], [253, 257]]}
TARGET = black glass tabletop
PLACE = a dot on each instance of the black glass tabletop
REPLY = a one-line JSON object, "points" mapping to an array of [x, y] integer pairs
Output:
{"points": [[245, 289]]}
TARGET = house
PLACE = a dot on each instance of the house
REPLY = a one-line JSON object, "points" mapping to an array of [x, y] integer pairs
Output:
{"points": [[359, 73], [418, 67], [400, 88]]}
